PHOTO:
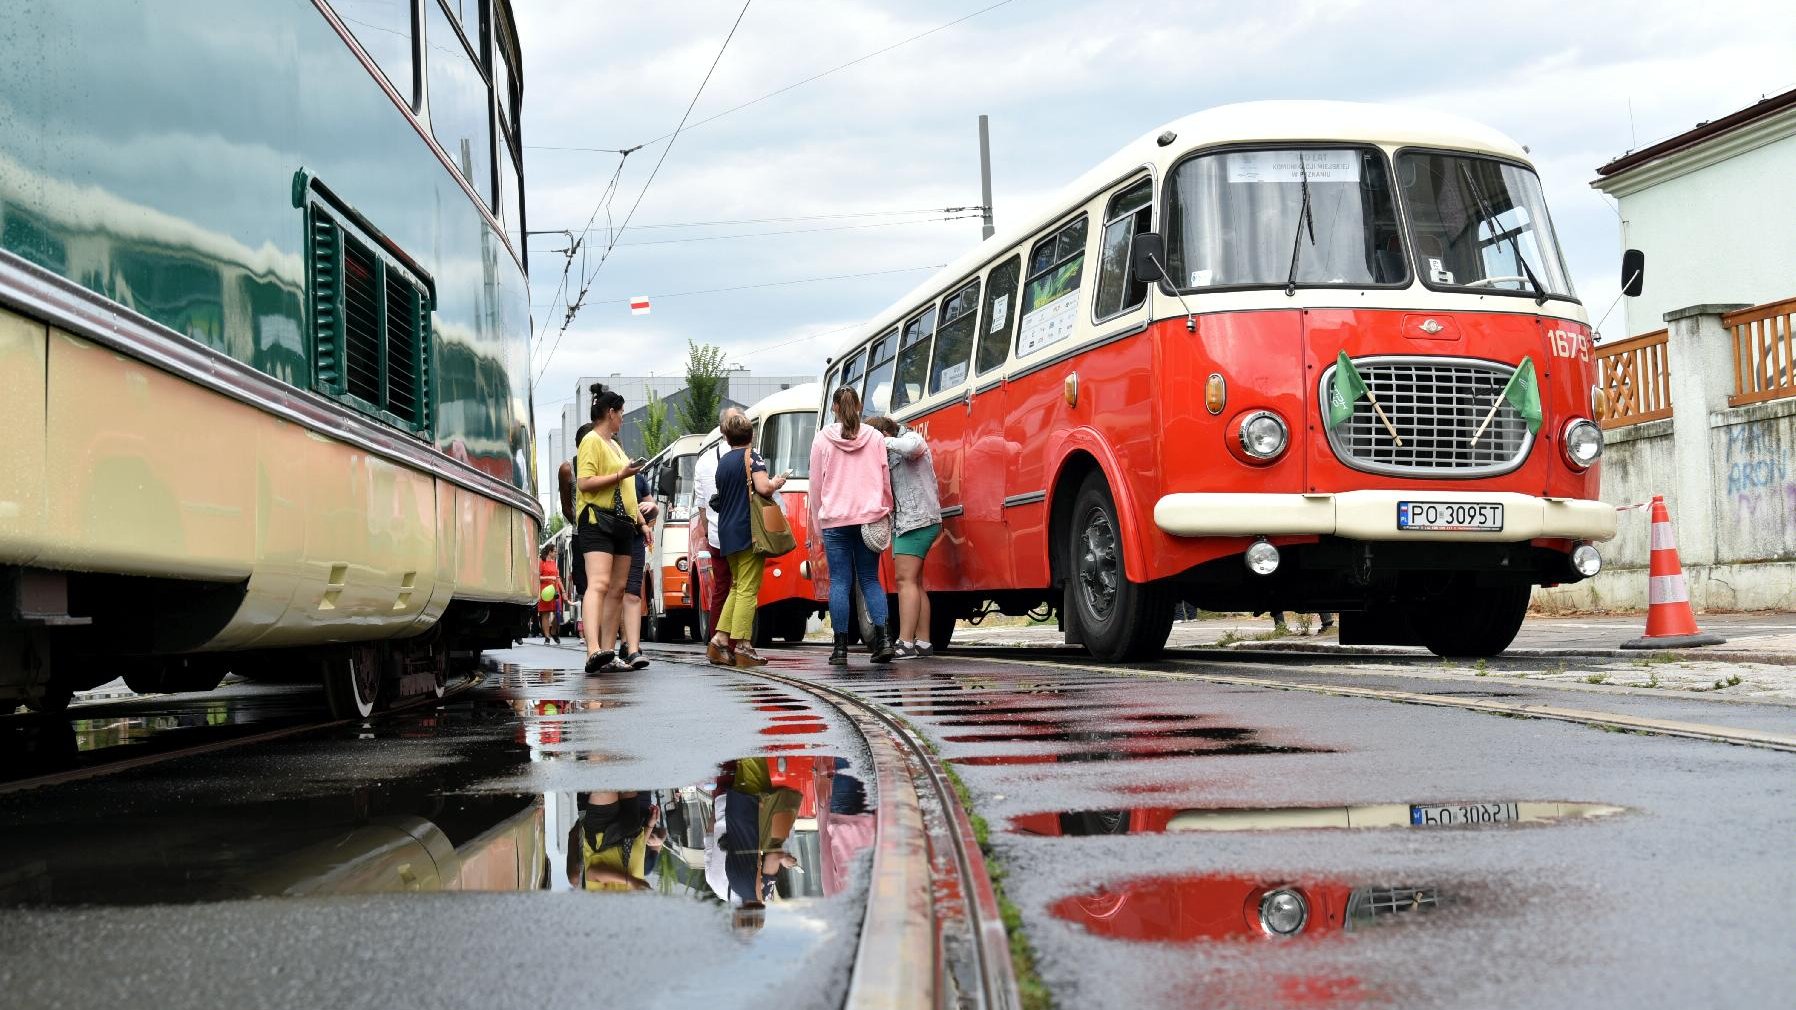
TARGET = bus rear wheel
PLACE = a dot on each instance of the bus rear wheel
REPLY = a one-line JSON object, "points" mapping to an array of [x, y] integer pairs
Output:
{"points": [[1118, 619], [1471, 622], [352, 680]]}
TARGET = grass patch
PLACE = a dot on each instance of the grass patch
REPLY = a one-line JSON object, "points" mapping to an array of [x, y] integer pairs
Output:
{"points": [[1481, 669], [1229, 638], [1596, 678], [1030, 987]]}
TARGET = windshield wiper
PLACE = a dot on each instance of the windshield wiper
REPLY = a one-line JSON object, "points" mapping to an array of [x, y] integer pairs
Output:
{"points": [[1304, 217], [1540, 293]]}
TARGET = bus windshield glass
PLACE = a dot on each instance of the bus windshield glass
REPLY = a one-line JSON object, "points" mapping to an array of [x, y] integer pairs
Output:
{"points": [[1481, 224], [1242, 218], [786, 443], [685, 467]]}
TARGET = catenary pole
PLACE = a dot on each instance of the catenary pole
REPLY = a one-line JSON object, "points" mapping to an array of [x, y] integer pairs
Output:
{"points": [[985, 172]]}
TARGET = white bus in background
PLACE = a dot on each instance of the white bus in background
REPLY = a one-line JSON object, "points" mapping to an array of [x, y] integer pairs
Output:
{"points": [[670, 613]]}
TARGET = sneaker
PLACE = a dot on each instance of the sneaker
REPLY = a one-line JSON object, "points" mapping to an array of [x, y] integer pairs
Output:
{"points": [[923, 651], [636, 660], [904, 650], [599, 662]]}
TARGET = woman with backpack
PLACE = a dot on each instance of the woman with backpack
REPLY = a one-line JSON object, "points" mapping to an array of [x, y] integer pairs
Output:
{"points": [[733, 642], [850, 490]]}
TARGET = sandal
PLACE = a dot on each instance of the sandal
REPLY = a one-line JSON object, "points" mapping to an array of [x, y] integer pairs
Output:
{"points": [[719, 655], [597, 662], [748, 657], [636, 660]]}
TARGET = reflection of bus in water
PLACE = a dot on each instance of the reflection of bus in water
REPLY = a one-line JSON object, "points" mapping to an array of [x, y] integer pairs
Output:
{"points": [[669, 610], [785, 423], [1286, 355]]}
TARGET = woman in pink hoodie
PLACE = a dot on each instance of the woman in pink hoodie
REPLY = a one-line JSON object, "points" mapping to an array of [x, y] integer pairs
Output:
{"points": [[850, 487]]}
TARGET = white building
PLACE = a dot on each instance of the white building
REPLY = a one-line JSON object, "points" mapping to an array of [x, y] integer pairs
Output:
{"points": [[1712, 210]]}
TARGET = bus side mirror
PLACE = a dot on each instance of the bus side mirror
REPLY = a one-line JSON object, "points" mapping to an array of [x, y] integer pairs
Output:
{"points": [[667, 482], [1147, 256], [1633, 272]]}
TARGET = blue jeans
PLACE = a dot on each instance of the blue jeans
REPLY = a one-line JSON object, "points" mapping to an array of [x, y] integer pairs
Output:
{"points": [[851, 561]]}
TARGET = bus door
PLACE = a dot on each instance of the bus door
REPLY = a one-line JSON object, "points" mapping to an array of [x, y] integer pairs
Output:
{"points": [[981, 529], [1035, 401], [944, 384]]}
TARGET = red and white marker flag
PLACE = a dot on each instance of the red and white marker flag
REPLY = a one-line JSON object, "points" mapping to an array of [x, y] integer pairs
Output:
{"points": [[639, 305]]}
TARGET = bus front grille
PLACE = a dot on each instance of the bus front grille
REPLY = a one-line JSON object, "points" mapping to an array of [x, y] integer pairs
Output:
{"points": [[1435, 406]]}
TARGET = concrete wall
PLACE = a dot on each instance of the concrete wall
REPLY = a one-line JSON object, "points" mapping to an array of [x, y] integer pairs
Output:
{"points": [[1713, 221], [1728, 476]]}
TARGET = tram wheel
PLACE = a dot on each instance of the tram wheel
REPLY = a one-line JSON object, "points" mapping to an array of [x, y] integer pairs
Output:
{"points": [[1471, 623], [352, 680], [1120, 619]]}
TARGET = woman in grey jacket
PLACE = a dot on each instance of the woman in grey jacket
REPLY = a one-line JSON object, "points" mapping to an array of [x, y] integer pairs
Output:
{"points": [[916, 523]]}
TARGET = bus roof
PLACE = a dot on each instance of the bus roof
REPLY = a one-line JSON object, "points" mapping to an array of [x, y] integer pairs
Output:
{"points": [[1242, 123], [804, 396]]}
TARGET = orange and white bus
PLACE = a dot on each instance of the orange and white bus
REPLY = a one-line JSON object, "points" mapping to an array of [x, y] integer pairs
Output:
{"points": [[1129, 394]]}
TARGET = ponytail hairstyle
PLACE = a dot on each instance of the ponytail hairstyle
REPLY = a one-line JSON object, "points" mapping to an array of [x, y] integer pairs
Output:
{"points": [[848, 407], [604, 401]]}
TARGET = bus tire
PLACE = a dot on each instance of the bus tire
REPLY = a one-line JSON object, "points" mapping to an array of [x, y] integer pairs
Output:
{"points": [[1119, 619], [1472, 623], [942, 617]]}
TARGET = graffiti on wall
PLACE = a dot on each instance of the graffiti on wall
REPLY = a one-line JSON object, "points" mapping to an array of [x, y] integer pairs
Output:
{"points": [[1758, 473]]}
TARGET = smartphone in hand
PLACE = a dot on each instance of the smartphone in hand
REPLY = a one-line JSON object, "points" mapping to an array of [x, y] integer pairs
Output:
{"points": [[639, 462]]}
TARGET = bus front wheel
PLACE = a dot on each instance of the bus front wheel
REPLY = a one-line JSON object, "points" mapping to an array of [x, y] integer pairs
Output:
{"points": [[1118, 619], [1471, 623]]}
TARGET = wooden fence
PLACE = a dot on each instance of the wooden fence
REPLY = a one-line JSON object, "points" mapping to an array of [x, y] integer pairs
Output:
{"points": [[1635, 376], [1762, 352]]}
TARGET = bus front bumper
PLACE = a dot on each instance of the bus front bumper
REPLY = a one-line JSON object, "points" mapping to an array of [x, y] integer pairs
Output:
{"points": [[1372, 515]]}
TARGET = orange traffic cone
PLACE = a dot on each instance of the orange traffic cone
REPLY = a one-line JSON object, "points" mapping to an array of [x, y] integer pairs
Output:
{"points": [[1670, 624]]}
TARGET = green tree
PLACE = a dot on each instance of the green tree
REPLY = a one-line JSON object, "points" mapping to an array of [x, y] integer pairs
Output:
{"points": [[705, 377], [653, 426], [556, 523]]}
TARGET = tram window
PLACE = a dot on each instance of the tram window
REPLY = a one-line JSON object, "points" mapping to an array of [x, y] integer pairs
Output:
{"points": [[460, 115], [913, 359], [1000, 309], [954, 341], [1131, 212], [876, 398], [511, 196], [1051, 296], [468, 13], [384, 28]]}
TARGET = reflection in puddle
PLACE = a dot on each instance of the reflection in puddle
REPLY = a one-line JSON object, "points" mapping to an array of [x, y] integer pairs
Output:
{"points": [[1154, 820], [1101, 736], [1218, 907]]}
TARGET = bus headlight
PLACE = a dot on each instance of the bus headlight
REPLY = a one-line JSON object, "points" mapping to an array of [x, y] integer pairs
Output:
{"points": [[680, 565], [1261, 557], [1264, 435], [1583, 443], [1283, 912]]}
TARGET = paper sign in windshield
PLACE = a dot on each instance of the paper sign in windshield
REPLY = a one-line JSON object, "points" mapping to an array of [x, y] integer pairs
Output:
{"points": [[1286, 166], [1049, 324]]}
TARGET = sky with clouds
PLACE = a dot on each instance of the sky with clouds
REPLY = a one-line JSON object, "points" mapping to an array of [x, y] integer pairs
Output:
{"points": [[1066, 83]]}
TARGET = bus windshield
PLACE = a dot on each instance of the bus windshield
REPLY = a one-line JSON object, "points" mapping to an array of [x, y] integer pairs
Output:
{"points": [[1480, 223], [1240, 219], [786, 443], [684, 487]]}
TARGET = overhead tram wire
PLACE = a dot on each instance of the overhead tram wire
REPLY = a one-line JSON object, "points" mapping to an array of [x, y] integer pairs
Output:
{"points": [[797, 231], [603, 204], [778, 284], [586, 281], [846, 215]]}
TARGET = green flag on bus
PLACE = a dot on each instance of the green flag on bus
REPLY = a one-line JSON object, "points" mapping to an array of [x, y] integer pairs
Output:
{"points": [[1523, 393], [1346, 390]]}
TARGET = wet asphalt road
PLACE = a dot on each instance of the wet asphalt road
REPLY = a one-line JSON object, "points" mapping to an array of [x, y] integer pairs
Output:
{"points": [[130, 888]]}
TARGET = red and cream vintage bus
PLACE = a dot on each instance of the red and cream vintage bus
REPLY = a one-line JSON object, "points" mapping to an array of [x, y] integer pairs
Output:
{"points": [[669, 614], [1294, 355], [785, 423]]}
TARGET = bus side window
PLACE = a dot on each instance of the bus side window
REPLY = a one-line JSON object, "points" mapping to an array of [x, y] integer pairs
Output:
{"points": [[954, 340], [1000, 312], [877, 397], [1131, 212], [913, 358], [852, 371], [1051, 296]]}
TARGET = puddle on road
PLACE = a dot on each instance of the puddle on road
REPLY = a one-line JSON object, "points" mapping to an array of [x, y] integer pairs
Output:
{"points": [[1101, 736], [1221, 908], [761, 831], [1158, 820], [1075, 757]]}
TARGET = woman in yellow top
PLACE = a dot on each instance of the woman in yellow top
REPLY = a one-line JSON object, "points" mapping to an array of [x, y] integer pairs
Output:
{"points": [[608, 523]]}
